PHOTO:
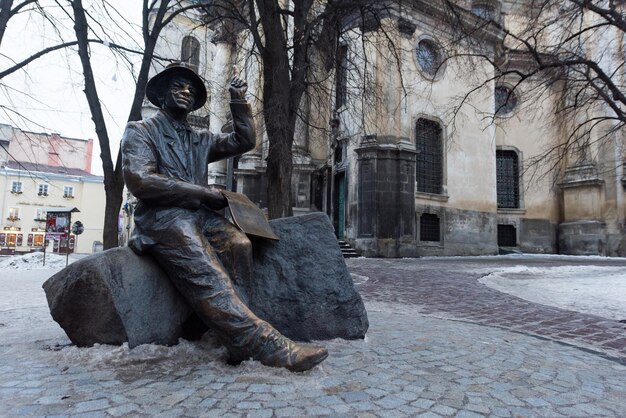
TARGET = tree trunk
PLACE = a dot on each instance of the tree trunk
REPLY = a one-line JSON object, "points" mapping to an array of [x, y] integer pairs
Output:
{"points": [[5, 15], [114, 195], [113, 183], [276, 110], [279, 170], [280, 133]]}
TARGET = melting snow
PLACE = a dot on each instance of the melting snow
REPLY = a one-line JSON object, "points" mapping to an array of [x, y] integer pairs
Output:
{"points": [[32, 261]]}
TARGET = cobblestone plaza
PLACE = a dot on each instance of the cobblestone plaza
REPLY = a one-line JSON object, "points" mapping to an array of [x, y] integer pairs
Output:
{"points": [[440, 344]]}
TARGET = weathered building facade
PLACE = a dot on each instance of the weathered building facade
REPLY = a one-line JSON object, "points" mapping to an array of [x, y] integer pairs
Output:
{"points": [[410, 163]]}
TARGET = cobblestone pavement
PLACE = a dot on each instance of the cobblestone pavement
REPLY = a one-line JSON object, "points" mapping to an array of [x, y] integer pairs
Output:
{"points": [[411, 363], [449, 287]]}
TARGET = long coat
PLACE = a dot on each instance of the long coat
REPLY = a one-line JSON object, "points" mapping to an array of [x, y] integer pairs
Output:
{"points": [[165, 178]]}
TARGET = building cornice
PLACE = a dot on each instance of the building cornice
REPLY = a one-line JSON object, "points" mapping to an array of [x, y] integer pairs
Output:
{"points": [[44, 176]]}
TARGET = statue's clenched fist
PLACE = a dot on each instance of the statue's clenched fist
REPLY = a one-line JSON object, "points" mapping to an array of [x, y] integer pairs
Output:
{"points": [[238, 88]]}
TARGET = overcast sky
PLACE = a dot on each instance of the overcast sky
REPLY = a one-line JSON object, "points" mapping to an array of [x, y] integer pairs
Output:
{"points": [[48, 93]]}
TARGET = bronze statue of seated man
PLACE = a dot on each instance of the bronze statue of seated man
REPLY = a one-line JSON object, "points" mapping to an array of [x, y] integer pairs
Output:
{"points": [[176, 220]]}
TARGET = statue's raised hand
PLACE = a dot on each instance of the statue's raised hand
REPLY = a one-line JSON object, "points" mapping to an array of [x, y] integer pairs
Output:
{"points": [[238, 88]]}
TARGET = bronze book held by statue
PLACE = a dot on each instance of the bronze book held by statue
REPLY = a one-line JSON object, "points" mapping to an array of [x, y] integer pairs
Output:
{"points": [[247, 216]]}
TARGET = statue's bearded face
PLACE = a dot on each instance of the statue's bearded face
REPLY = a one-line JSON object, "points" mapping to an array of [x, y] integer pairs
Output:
{"points": [[180, 95]]}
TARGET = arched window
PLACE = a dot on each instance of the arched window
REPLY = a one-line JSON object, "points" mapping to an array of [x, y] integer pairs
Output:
{"points": [[485, 11], [429, 160], [190, 52], [507, 179]]}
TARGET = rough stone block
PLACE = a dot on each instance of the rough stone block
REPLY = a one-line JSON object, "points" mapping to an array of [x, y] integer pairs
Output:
{"points": [[300, 284]]}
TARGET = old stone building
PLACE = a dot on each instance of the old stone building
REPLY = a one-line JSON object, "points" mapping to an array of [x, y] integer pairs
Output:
{"points": [[410, 162]]}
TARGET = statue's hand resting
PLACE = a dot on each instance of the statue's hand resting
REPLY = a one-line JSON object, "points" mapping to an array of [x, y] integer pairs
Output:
{"points": [[238, 88], [214, 199]]}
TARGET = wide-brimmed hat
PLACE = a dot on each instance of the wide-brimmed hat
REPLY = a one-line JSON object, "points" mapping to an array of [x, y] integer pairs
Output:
{"points": [[155, 88]]}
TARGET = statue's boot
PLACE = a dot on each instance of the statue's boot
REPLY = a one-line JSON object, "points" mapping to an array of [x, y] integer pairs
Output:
{"points": [[273, 349], [246, 336]]}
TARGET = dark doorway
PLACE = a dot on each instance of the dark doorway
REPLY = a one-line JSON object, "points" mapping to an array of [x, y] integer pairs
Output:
{"points": [[339, 205]]}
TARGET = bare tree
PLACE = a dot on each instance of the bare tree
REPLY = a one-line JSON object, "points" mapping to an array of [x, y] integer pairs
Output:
{"points": [[89, 30], [568, 49], [155, 16], [8, 9], [296, 46]]}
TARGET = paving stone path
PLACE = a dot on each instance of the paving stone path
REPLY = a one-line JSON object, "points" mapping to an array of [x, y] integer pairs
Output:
{"points": [[450, 288], [408, 366], [411, 364]]}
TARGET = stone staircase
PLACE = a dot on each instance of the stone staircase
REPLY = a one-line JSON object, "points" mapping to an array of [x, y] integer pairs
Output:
{"points": [[347, 250]]}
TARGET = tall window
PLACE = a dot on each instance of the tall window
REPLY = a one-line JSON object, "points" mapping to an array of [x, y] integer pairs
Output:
{"points": [[507, 179], [38, 242], [68, 191], [16, 187], [14, 214], [341, 79], [41, 215], [429, 168], [43, 190], [190, 52]]}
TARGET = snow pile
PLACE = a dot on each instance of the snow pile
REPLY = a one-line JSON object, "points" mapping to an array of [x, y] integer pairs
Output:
{"points": [[33, 261]]}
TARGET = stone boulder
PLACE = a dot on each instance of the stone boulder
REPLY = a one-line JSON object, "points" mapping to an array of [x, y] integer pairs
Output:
{"points": [[300, 285]]}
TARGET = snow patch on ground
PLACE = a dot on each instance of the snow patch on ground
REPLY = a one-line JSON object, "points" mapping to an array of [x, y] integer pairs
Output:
{"points": [[358, 279], [206, 357], [33, 261], [594, 290], [184, 352]]}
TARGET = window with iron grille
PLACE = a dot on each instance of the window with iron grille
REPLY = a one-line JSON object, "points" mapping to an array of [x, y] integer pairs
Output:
{"points": [[507, 236], [341, 79], [190, 52], [430, 229], [429, 160], [507, 179]]}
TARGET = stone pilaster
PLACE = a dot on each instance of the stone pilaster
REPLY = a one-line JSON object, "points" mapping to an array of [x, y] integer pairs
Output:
{"points": [[582, 232], [385, 200]]}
